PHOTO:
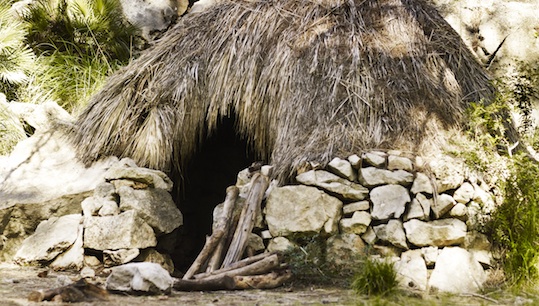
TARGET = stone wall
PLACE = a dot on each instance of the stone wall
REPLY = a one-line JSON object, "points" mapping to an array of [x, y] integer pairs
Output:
{"points": [[422, 215]]}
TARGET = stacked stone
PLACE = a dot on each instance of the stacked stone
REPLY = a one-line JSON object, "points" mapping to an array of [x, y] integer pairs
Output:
{"points": [[423, 220], [123, 221]]}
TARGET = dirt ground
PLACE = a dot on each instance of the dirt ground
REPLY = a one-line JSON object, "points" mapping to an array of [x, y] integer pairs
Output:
{"points": [[16, 283]]}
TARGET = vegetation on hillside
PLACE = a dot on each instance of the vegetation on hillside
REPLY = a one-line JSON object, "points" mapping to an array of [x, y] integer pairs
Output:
{"points": [[63, 49]]}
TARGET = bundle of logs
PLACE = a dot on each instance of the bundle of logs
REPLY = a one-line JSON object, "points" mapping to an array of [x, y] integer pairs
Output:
{"points": [[220, 266]]}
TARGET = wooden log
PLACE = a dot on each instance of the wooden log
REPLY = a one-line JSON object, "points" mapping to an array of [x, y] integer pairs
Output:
{"points": [[221, 228], [239, 264], [214, 263], [265, 281], [224, 282], [259, 184], [80, 291], [263, 266]]}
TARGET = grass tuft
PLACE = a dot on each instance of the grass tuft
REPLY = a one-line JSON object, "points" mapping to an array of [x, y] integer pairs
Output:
{"points": [[375, 277]]}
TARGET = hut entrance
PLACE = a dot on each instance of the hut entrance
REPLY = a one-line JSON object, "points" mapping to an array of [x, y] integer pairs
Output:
{"points": [[214, 167]]}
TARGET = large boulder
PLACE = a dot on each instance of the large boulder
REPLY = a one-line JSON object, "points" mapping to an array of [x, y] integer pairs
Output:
{"points": [[388, 201], [456, 271], [442, 232], [155, 206], [140, 278], [302, 209], [412, 270], [151, 16], [42, 178], [124, 231], [51, 238]]}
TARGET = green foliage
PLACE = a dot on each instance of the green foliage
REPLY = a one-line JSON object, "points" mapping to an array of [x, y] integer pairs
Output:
{"points": [[11, 131], [16, 59], [375, 277], [515, 225], [79, 43], [83, 28]]}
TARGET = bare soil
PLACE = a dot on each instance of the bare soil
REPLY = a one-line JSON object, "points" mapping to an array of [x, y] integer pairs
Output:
{"points": [[16, 283]]}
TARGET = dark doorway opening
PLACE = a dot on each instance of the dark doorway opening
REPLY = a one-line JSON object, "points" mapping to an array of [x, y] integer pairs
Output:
{"points": [[205, 178]]}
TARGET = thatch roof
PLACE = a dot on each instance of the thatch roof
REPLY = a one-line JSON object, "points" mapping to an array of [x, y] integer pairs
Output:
{"points": [[307, 80]]}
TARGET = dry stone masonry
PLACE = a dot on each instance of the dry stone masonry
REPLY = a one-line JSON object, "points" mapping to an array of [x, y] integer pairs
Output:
{"points": [[420, 214], [123, 221]]}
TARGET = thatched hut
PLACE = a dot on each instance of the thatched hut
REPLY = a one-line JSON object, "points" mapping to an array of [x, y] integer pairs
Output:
{"points": [[303, 80]]}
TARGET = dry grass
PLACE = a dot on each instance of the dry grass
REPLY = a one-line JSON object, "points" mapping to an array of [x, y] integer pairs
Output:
{"points": [[306, 80]]}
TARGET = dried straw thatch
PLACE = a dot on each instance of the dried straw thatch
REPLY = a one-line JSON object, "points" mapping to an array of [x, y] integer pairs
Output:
{"points": [[306, 80]]}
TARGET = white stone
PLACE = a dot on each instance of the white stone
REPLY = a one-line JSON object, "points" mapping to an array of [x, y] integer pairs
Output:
{"points": [[87, 272], [280, 244], [266, 234], [477, 241], [109, 208], [119, 257], [465, 193], [91, 206], [202, 5], [105, 190], [328, 181], [430, 254], [449, 172], [422, 183], [388, 201], [356, 206], [302, 209], [72, 258], [392, 232], [266, 170], [369, 236], [150, 16], [355, 161], [51, 238], [399, 163], [376, 159], [46, 164], [126, 171], [372, 176], [456, 271], [255, 242], [442, 232], [344, 249], [412, 270], [124, 231], [342, 168], [140, 277], [459, 211], [155, 206], [419, 208], [485, 200], [357, 224], [442, 205]]}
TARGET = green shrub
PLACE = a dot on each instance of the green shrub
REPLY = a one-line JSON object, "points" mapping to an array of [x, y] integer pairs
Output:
{"points": [[11, 131], [16, 58], [515, 225], [375, 277], [78, 44]]}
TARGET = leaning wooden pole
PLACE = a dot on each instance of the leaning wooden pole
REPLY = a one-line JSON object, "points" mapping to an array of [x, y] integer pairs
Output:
{"points": [[221, 228], [259, 184]]}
